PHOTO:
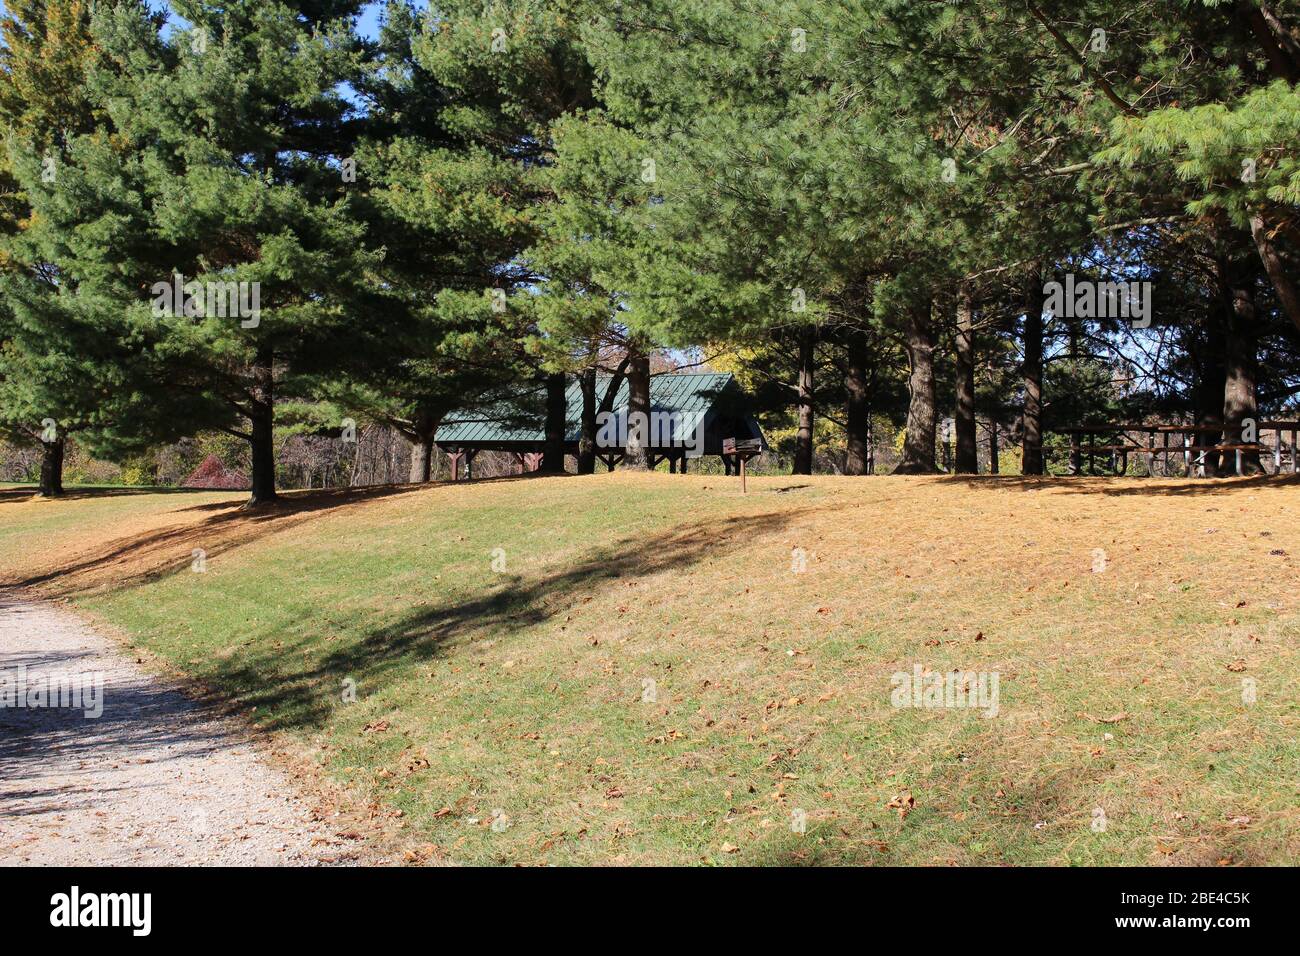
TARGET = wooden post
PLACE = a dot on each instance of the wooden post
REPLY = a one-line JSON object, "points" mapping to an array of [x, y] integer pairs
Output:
{"points": [[742, 450], [1295, 459], [871, 447], [1187, 454], [454, 457], [1076, 461], [1277, 451]]}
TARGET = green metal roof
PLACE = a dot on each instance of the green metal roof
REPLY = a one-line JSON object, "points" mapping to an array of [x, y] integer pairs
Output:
{"points": [[689, 396]]}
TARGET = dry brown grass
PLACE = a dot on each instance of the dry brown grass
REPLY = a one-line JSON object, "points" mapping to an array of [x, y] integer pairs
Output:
{"points": [[133, 536], [522, 690]]}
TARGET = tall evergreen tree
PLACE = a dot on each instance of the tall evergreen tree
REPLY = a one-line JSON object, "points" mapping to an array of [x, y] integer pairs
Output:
{"points": [[235, 177], [68, 364]]}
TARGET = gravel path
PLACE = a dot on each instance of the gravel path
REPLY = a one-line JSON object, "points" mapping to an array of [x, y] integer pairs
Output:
{"points": [[155, 780]]}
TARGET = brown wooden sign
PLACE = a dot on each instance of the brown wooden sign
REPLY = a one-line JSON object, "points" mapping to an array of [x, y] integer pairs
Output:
{"points": [[743, 446], [744, 449]]}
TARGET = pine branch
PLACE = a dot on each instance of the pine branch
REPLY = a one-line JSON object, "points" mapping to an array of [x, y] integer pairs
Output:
{"points": [[1079, 58]]}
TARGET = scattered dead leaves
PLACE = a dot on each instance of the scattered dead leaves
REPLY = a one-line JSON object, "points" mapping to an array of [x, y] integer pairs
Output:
{"points": [[904, 803]]}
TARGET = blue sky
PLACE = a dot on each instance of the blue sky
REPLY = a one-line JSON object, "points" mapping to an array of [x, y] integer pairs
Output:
{"points": [[368, 24]]}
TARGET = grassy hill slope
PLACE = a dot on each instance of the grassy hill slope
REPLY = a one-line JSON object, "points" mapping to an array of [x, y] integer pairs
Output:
{"points": [[634, 669]]}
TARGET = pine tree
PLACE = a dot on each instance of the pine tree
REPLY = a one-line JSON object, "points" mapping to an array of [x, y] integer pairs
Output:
{"points": [[66, 364], [454, 210], [235, 190]]}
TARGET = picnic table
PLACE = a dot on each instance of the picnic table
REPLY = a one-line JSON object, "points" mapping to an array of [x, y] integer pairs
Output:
{"points": [[1194, 443]]}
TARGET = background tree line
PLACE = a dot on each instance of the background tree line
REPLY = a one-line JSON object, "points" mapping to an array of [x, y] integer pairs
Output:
{"points": [[853, 206]]}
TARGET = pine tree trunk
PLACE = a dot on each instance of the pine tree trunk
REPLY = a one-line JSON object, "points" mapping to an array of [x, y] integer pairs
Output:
{"points": [[967, 459], [1288, 294], [993, 448], [1212, 384], [52, 468], [918, 442], [421, 459], [857, 407], [1241, 367], [591, 411], [423, 428], [587, 440], [556, 412], [638, 413], [1280, 63], [803, 440], [262, 430], [1032, 432]]}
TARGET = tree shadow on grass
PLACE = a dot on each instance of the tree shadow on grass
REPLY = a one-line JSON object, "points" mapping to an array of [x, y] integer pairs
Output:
{"points": [[20, 493], [138, 558], [40, 747], [294, 697]]}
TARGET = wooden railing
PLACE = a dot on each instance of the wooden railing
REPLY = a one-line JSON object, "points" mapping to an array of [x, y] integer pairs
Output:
{"points": [[1192, 443]]}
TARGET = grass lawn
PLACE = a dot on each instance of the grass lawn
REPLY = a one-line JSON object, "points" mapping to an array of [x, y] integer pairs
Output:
{"points": [[641, 674]]}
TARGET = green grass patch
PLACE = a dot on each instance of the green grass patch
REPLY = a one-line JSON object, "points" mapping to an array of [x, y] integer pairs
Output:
{"points": [[628, 669]]}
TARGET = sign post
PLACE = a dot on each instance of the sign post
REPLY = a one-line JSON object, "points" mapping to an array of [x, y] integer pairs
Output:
{"points": [[744, 449]]}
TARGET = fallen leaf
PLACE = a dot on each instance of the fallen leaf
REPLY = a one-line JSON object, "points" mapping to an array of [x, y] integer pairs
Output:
{"points": [[903, 803]]}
